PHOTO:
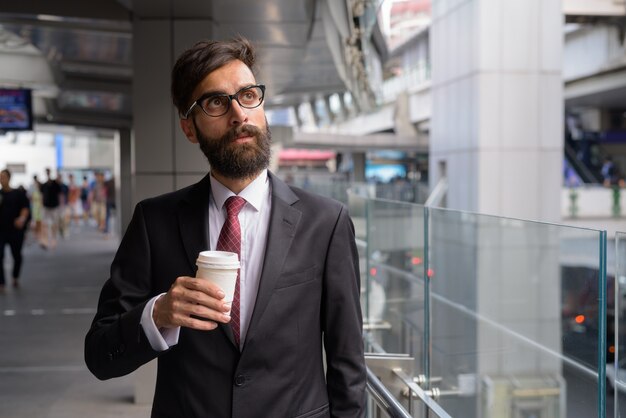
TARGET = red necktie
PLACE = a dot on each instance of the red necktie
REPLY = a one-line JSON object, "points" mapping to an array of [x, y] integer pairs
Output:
{"points": [[230, 240]]}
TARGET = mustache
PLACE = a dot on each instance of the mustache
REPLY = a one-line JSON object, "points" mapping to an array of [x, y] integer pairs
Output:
{"points": [[237, 131]]}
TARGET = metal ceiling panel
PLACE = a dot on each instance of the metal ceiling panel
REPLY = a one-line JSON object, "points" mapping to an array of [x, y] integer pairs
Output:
{"points": [[289, 34], [228, 11], [88, 46], [94, 101], [146, 9], [225, 12], [92, 9], [67, 43]]}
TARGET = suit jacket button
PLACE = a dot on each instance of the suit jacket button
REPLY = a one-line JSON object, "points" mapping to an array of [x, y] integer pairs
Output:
{"points": [[240, 380]]}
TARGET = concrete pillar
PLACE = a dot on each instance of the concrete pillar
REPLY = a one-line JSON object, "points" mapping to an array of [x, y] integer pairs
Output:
{"points": [[496, 133], [498, 105], [297, 116], [358, 161], [316, 116], [344, 111], [164, 159], [123, 179], [332, 117]]}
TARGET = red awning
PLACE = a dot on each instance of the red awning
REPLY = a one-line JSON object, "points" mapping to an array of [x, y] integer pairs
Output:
{"points": [[291, 154]]}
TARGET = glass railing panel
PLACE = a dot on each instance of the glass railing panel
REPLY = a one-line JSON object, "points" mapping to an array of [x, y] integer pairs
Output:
{"points": [[616, 331], [516, 316], [400, 189], [395, 271], [357, 206]]}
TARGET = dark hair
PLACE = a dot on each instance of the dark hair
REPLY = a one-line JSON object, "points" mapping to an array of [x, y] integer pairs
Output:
{"points": [[7, 172], [200, 60]]}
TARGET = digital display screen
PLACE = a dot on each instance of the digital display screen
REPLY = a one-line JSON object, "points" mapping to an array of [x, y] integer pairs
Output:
{"points": [[384, 172], [16, 112]]}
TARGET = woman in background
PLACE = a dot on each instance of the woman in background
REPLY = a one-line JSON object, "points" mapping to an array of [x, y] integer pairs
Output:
{"points": [[35, 207]]}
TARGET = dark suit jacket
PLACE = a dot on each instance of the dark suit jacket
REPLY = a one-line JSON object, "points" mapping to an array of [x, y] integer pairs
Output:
{"points": [[308, 294]]}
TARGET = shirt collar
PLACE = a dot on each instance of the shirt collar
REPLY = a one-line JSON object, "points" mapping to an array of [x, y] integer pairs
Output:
{"points": [[254, 193]]}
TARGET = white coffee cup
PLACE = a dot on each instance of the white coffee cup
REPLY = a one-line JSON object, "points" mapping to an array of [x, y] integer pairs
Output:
{"points": [[220, 268]]}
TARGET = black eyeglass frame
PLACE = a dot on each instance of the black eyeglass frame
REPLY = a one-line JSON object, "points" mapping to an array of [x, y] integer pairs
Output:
{"points": [[230, 97]]}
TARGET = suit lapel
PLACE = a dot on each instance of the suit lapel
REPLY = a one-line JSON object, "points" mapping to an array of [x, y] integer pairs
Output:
{"points": [[283, 222], [193, 221]]}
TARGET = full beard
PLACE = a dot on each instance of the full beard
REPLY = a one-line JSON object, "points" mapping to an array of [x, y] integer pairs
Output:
{"points": [[237, 161]]}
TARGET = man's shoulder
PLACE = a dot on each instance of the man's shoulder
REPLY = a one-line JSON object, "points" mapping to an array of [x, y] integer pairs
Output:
{"points": [[300, 196], [168, 197], [172, 199], [316, 203]]}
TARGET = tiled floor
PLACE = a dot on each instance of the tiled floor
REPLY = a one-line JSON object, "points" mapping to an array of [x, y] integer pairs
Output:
{"points": [[42, 327]]}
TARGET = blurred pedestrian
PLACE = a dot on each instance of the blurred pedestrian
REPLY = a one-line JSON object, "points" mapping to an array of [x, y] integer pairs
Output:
{"points": [[110, 203], [98, 201], [14, 213], [51, 193], [84, 198], [36, 207], [64, 226], [74, 208], [610, 172]]}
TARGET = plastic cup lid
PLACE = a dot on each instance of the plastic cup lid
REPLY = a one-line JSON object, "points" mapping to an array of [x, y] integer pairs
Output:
{"points": [[217, 259]]}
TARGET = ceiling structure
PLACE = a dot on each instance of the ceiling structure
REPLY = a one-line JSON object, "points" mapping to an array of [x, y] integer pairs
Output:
{"points": [[80, 53]]}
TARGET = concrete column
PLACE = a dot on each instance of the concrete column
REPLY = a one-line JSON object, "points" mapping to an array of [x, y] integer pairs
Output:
{"points": [[344, 112], [358, 161], [123, 179], [498, 105], [331, 115], [496, 133], [297, 116], [164, 159], [316, 116]]}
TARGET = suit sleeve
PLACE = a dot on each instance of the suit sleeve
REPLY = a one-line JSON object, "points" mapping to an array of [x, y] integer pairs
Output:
{"points": [[342, 322], [115, 344]]}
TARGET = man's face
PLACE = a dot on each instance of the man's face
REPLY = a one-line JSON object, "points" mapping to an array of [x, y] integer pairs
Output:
{"points": [[236, 144], [237, 160]]}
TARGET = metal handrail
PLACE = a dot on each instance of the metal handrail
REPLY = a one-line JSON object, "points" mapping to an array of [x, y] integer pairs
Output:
{"points": [[383, 398], [430, 403], [438, 193]]}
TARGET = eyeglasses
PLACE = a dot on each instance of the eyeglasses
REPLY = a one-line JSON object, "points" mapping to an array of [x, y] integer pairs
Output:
{"points": [[216, 105]]}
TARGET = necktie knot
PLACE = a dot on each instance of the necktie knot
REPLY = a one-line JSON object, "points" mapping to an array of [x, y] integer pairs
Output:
{"points": [[233, 205]]}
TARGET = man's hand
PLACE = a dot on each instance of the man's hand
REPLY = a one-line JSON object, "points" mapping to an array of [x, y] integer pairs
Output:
{"points": [[192, 303]]}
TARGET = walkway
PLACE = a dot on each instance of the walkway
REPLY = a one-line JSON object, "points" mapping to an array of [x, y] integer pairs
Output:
{"points": [[42, 327]]}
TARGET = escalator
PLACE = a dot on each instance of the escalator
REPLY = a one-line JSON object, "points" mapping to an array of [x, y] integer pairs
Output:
{"points": [[585, 173]]}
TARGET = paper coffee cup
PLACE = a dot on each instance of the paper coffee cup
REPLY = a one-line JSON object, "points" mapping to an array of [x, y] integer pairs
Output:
{"points": [[220, 268]]}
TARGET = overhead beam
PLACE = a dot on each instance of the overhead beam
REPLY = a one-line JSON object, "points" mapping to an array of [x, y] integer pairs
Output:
{"points": [[594, 7], [608, 81], [92, 9], [357, 142]]}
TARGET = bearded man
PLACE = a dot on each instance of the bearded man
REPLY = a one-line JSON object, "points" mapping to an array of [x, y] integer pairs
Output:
{"points": [[290, 345]]}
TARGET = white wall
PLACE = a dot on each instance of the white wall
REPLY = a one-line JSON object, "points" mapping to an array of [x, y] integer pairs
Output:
{"points": [[498, 106], [591, 203], [36, 157], [37, 151]]}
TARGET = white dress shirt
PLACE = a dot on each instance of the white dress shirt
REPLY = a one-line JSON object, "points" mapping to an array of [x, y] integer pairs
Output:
{"points": [[254, 220]]}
